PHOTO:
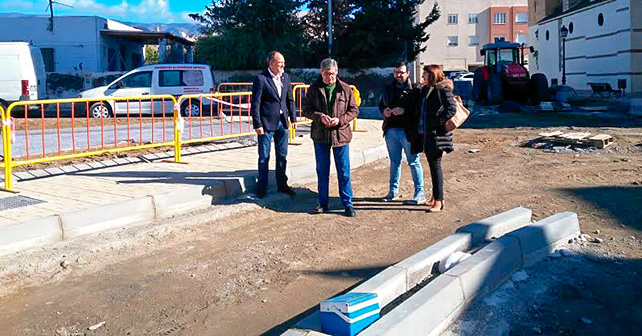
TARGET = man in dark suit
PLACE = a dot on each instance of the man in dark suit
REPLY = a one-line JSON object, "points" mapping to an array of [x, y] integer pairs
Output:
{"points": [[272, 110]]}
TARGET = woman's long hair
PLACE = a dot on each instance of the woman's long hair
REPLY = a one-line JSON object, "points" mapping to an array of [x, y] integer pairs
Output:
{"points": [[435, 74]]}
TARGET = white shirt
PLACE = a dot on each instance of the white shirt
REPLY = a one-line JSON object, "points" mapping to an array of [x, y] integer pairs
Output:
{"points": [[277, 82]]}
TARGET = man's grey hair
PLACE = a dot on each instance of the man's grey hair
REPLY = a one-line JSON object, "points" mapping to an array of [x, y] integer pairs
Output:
{"points": [[271, 56], [328, 64]]}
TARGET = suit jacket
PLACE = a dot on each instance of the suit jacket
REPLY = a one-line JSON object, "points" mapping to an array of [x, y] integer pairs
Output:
{"points": [[267, 104]]}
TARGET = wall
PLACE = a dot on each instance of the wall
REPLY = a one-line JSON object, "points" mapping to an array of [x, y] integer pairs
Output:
{"points": [[594, 53], [464, 55]]}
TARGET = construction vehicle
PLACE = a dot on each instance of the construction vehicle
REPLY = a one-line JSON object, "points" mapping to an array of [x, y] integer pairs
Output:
{"points": [[505, 77]]}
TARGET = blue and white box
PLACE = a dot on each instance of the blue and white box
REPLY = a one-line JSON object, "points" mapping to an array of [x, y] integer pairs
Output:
{"points": [[348, 314]]}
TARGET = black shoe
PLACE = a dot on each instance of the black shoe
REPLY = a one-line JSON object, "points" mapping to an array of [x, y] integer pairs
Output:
{"points": [[287, 190], [321, 209], [260, 193], [350, 212]]}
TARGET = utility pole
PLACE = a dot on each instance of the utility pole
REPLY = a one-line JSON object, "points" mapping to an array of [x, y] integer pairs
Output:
{"points": [[329, 28]]}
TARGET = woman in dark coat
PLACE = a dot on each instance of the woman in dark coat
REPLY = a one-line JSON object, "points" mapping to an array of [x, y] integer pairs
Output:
{"points": [[434, 105]]}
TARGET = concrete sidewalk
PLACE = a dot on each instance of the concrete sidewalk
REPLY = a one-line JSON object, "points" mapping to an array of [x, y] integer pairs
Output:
{"points": [[80, 202]]}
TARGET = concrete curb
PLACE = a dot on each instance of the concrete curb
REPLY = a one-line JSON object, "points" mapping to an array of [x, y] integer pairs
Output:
{"points": [[434, 307], [143, 210], [396, 280]]}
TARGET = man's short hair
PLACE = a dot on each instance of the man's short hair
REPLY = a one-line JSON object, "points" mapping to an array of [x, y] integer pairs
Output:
{"points": [[400, 64], [329, 63], [271, 56]]}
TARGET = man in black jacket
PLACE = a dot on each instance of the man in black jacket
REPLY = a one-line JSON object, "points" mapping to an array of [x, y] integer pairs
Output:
{"points": [[398, 129], [272, 109]]}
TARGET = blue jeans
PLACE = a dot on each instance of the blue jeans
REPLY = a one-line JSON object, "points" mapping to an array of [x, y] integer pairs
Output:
{"points": [[342, 163], [280, 136], [396, 141]]}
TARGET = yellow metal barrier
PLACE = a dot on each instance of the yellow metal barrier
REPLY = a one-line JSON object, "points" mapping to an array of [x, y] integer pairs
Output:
{"points": [[215, 97], [178, 121], [301, 87], [10, 162], [222, 86]]}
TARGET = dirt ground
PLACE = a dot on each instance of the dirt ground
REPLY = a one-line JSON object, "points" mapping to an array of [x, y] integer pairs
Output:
{"points": [[253, 267]]}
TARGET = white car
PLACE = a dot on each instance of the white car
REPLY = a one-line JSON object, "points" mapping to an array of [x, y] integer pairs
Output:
{"points": [[158, 79], [465, 77], [22, 73]]}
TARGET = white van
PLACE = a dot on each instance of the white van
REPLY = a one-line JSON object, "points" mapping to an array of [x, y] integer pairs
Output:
{"points": [[158, 79], [22, 73]]}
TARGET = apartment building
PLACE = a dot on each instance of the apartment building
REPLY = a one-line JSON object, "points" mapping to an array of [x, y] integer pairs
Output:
{"points": [[466, 25]]}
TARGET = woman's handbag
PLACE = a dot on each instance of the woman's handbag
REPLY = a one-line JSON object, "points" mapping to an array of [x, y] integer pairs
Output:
{"points": [[460, 116]]}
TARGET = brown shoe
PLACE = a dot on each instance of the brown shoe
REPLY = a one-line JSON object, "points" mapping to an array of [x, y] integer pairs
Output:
{"points": [[436, 208]]}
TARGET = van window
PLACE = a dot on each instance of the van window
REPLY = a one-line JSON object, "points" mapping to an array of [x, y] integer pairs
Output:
{"points": [[137, 80], [181, 78], [49, 59]]}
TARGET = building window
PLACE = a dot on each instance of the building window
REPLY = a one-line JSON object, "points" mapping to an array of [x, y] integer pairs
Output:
{"points": [[548, 35], [570, 28], [49, 59], [499, 18], [473, 40], [521, 38], [600, 19], [521, 18], [453, 19], [499, 38], [453, 41], [473, 19]]}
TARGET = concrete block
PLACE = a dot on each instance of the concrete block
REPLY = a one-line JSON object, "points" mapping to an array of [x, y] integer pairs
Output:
{"points": [[24, 175], [189, 150], [236, 186], [121, 161], [302, 332], [370, 155], [29, 234], [69, 169], [78, 223], [133, 159], [54, 171], [388, 284], [82, 166], [39, 173], [498, 225], [543, 237], [96, 165], [420, 265], [151, 156], [423, 312], [186, 199], [109, 163], [488, 268]]}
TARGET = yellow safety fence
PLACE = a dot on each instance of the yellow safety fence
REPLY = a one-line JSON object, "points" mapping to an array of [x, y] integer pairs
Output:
{"points": [[190, 123], [299, 91]]}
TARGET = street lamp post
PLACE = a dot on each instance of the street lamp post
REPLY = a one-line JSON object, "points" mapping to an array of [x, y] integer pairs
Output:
{"points": [[329, 28], [564, 34]]}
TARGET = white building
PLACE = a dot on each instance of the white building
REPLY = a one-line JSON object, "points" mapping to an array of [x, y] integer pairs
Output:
{"points": [[603, 45], [465, 26], [87, 44]]}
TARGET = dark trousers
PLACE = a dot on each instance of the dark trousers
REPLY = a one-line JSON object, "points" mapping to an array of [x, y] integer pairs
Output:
{"points": [[280, 136], [342, 163], [437, 175]]}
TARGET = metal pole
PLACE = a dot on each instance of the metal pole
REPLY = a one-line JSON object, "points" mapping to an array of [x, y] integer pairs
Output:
{"points": [[329, 27], [564, 61]]}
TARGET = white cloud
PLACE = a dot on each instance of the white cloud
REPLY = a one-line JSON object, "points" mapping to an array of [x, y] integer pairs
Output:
{"points": [[17, 5], [144, 11]]}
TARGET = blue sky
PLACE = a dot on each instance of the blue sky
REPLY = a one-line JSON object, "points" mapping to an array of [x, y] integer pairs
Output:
{"points": [[164, 11]]}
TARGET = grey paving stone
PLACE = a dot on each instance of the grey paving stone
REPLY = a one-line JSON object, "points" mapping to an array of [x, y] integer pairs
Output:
{"points": [[428, 309], [69, 169], [489, 267], [82, 166], [388, 284], [54, 171], [543, 237], [24, 175], [39, 173], [29, 234], [498, 225]]}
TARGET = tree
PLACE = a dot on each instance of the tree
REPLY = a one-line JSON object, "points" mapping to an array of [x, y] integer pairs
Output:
{"points": [[242, 32], [151, 55], [373, 32]]}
